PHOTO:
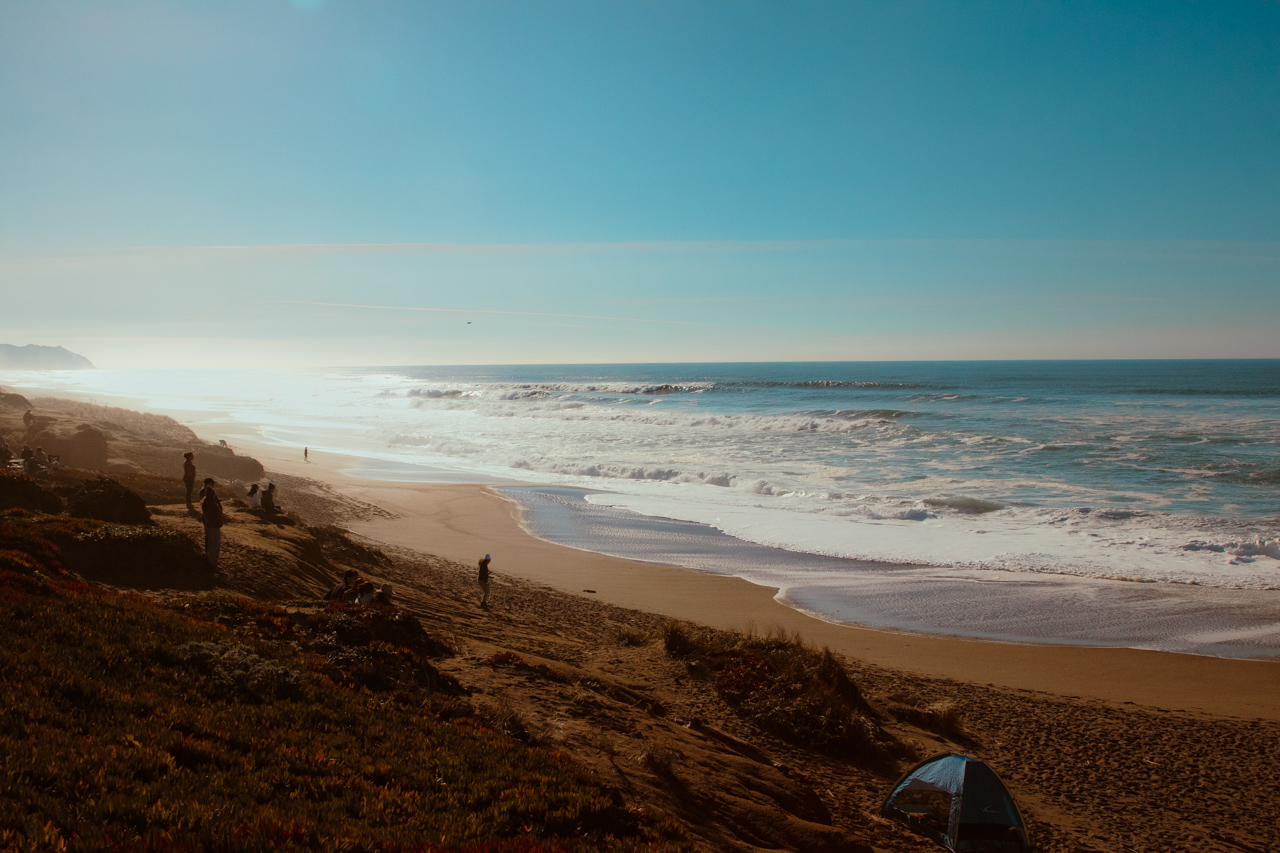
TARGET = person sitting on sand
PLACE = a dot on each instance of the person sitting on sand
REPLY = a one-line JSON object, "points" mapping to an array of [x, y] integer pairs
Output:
{"points": [[269, 500], [211, 517], [483, 580], [189, 473], [253, 499], [384, 596], [42, 458], [345, 590], [367, 593]]}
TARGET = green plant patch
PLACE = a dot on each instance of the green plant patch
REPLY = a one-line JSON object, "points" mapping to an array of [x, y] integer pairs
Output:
{"points": [[18, 491], [126, 725], [107, 500], [97, 549], [377, 648], [24, 551]]}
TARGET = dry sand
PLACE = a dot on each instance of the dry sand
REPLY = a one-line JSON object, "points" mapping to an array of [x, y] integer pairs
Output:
{"points": [[463, 522]]}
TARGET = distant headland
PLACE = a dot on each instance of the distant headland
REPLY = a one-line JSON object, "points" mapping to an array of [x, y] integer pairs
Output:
{"points": [[35, 357]]}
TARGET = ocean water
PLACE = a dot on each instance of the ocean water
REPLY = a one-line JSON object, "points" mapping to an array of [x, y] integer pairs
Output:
{"points": [[1120, 502]]}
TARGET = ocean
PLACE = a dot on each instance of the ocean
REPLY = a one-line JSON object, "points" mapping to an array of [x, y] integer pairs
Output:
{"points": [[1130, 503]]}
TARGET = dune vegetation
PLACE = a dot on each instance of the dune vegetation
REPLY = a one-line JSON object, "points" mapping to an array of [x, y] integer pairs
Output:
{"points": [[231, 725]]}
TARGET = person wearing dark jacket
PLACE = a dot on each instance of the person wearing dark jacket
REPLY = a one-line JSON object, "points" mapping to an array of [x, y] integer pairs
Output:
{"points": [[269, 500], [483, 579], [345, 591], [211, 517], [189, 473]]}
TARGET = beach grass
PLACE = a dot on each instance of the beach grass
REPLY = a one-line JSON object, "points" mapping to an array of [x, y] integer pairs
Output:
{"points": [[787, 688]]}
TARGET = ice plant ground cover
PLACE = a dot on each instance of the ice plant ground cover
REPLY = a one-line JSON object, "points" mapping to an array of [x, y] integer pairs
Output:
{"points": [[128, 725]]}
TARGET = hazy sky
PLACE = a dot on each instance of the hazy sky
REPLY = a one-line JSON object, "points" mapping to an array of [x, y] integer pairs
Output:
{"points": [[221, 183]]}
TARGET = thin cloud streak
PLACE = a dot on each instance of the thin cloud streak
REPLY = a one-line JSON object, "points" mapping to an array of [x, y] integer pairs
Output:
{"points": [[488, 311], [1243, 249]]}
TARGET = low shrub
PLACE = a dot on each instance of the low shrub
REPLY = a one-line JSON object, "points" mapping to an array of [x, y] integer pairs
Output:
{"points": [[631, 637], [942, 716], [26, 552], [781, 685], [105, 499], [18, 491], [98, 549]]}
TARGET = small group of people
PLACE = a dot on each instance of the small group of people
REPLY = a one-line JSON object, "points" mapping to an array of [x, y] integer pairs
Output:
{"points": [[263, 499], [357, 590], [257, 498], [211, 513], [352, 590], [32, 461]]}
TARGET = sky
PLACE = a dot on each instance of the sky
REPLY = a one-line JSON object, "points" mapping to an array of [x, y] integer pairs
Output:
{"points": [[192, 183]]}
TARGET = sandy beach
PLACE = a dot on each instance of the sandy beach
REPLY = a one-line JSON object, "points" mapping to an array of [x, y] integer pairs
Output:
{"points": [[462, 522]]}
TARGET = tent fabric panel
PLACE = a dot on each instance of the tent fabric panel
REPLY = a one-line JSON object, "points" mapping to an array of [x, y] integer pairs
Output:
{"points": [[985, 798], [945, 774], [986, 820]]}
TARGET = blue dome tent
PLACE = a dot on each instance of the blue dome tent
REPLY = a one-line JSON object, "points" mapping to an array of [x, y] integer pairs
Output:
{"points": [[960, 803]]}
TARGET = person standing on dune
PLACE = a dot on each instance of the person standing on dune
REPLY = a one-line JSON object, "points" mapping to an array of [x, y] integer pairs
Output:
{"points": [[189, 474], [483, 580]]}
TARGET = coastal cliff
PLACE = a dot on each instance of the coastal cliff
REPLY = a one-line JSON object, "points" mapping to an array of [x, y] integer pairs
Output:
{"points": [[36, 357]]}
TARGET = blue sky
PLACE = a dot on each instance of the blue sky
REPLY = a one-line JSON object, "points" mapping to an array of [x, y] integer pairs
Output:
{"points": [[220, 183]]}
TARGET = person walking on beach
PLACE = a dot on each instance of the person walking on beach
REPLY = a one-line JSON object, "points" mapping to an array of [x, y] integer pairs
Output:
{"points": [[483, 579], [306, 454], [211, 517], [189, 474]]}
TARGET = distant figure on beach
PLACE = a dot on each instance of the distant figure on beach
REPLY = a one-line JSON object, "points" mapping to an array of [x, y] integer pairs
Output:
{"points": [[223, 442], [269, 500], [254, 498], [189, 473], [346, 590], [211, 517], [367, 593], [483, 580], [384, 596], [306, 457]]}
